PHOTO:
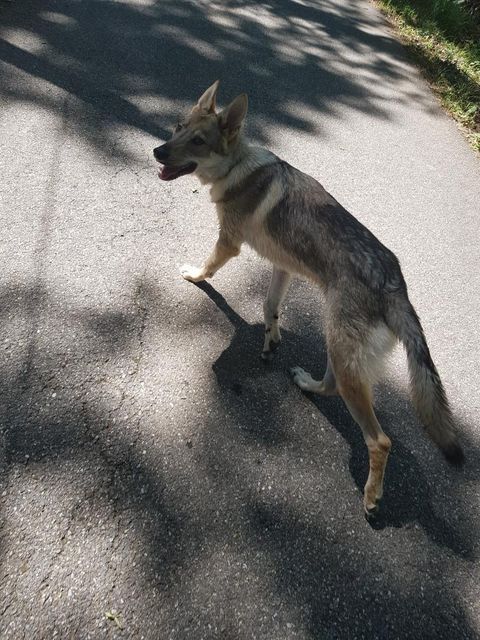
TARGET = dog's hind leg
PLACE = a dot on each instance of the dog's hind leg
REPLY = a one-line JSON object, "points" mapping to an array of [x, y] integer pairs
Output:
{"points": [[271, 308], [357, 395], [325, 387]]}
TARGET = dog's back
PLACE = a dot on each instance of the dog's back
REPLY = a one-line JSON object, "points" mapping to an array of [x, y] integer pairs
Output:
{"points": [[303, 222]]}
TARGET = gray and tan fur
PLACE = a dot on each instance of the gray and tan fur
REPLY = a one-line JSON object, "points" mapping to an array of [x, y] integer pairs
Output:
{"points": [[289, 218]]}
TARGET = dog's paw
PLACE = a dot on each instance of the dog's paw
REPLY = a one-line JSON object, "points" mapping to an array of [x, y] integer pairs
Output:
{"points": [[267, 353], [372, 509], [192, 274], [270, 346], [302, 378], [372, 495]]}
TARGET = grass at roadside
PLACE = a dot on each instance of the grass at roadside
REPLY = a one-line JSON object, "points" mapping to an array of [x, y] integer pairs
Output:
{"points": [[443, 37]]}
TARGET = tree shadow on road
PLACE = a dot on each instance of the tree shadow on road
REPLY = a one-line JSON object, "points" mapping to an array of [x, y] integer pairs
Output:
{"points": [[354, 583], [254, 513], [407, 489], [103, 497], [131, 64]]}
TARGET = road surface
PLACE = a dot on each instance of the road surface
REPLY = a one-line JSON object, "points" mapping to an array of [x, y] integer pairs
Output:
{"points": [[159, 481]]}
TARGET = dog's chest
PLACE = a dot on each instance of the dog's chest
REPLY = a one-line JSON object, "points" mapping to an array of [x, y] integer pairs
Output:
{"points": [[251, 227]]}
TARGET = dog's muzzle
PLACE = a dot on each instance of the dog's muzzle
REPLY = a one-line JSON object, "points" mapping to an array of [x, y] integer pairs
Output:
{"points": [[160, 153], [171, 172]]}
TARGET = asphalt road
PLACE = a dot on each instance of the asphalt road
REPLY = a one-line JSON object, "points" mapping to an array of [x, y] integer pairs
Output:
{"points": [[159, 481]]}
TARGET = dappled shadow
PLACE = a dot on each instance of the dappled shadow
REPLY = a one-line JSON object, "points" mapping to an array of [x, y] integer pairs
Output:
{"points": [[407, 489], [217, 504], [349, 590], [251, 513], [341, 588], [132, 64]]}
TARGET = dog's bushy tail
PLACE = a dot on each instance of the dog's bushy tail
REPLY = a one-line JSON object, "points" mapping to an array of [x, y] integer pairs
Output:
{"points": [[428, 394]]}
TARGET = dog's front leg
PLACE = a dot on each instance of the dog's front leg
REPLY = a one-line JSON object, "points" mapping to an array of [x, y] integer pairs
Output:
{"points": [[271, 309], [225, 248]]}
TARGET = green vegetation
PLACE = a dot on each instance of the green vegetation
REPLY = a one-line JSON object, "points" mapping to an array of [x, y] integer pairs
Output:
{"points": [[443, 37]]}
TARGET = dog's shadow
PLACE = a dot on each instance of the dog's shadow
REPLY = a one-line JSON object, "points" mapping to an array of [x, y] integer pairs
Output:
{"points": [[239, 371]]}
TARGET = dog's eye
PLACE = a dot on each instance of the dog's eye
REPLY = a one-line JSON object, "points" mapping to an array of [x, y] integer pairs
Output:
{"points": [[198, 141], [178, 127]]}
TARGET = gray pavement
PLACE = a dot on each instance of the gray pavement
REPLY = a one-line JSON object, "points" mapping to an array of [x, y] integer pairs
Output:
{"points": [[158, 480]]}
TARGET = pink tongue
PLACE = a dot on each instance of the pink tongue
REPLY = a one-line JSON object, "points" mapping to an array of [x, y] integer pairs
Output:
{"points": [[167, 173]]}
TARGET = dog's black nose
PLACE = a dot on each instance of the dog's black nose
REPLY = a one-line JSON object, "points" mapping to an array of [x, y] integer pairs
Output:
{"points": [[160, 153]]}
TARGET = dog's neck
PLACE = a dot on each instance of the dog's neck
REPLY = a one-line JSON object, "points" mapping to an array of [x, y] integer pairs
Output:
{"points": [[220, 165], [241, 160]]}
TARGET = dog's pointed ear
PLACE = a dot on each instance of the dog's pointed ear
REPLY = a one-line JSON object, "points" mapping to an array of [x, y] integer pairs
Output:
{"points": [[207, 100], [232, 117]]}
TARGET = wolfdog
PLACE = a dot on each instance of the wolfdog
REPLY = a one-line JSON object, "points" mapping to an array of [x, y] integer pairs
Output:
{"points": [[289, 218]]}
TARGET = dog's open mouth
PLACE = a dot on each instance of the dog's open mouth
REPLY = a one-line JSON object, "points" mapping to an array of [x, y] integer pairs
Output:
{"points": [[171, 173]]}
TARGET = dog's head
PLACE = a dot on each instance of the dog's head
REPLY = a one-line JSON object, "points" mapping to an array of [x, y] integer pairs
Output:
{"points": [[204, 140]]}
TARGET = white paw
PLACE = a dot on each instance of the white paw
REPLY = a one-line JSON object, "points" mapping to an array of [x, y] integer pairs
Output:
{"points": [[192, 274], [302, 378]]}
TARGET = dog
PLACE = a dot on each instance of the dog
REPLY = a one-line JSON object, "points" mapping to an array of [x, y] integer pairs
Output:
{"points": [[290, 219]]}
